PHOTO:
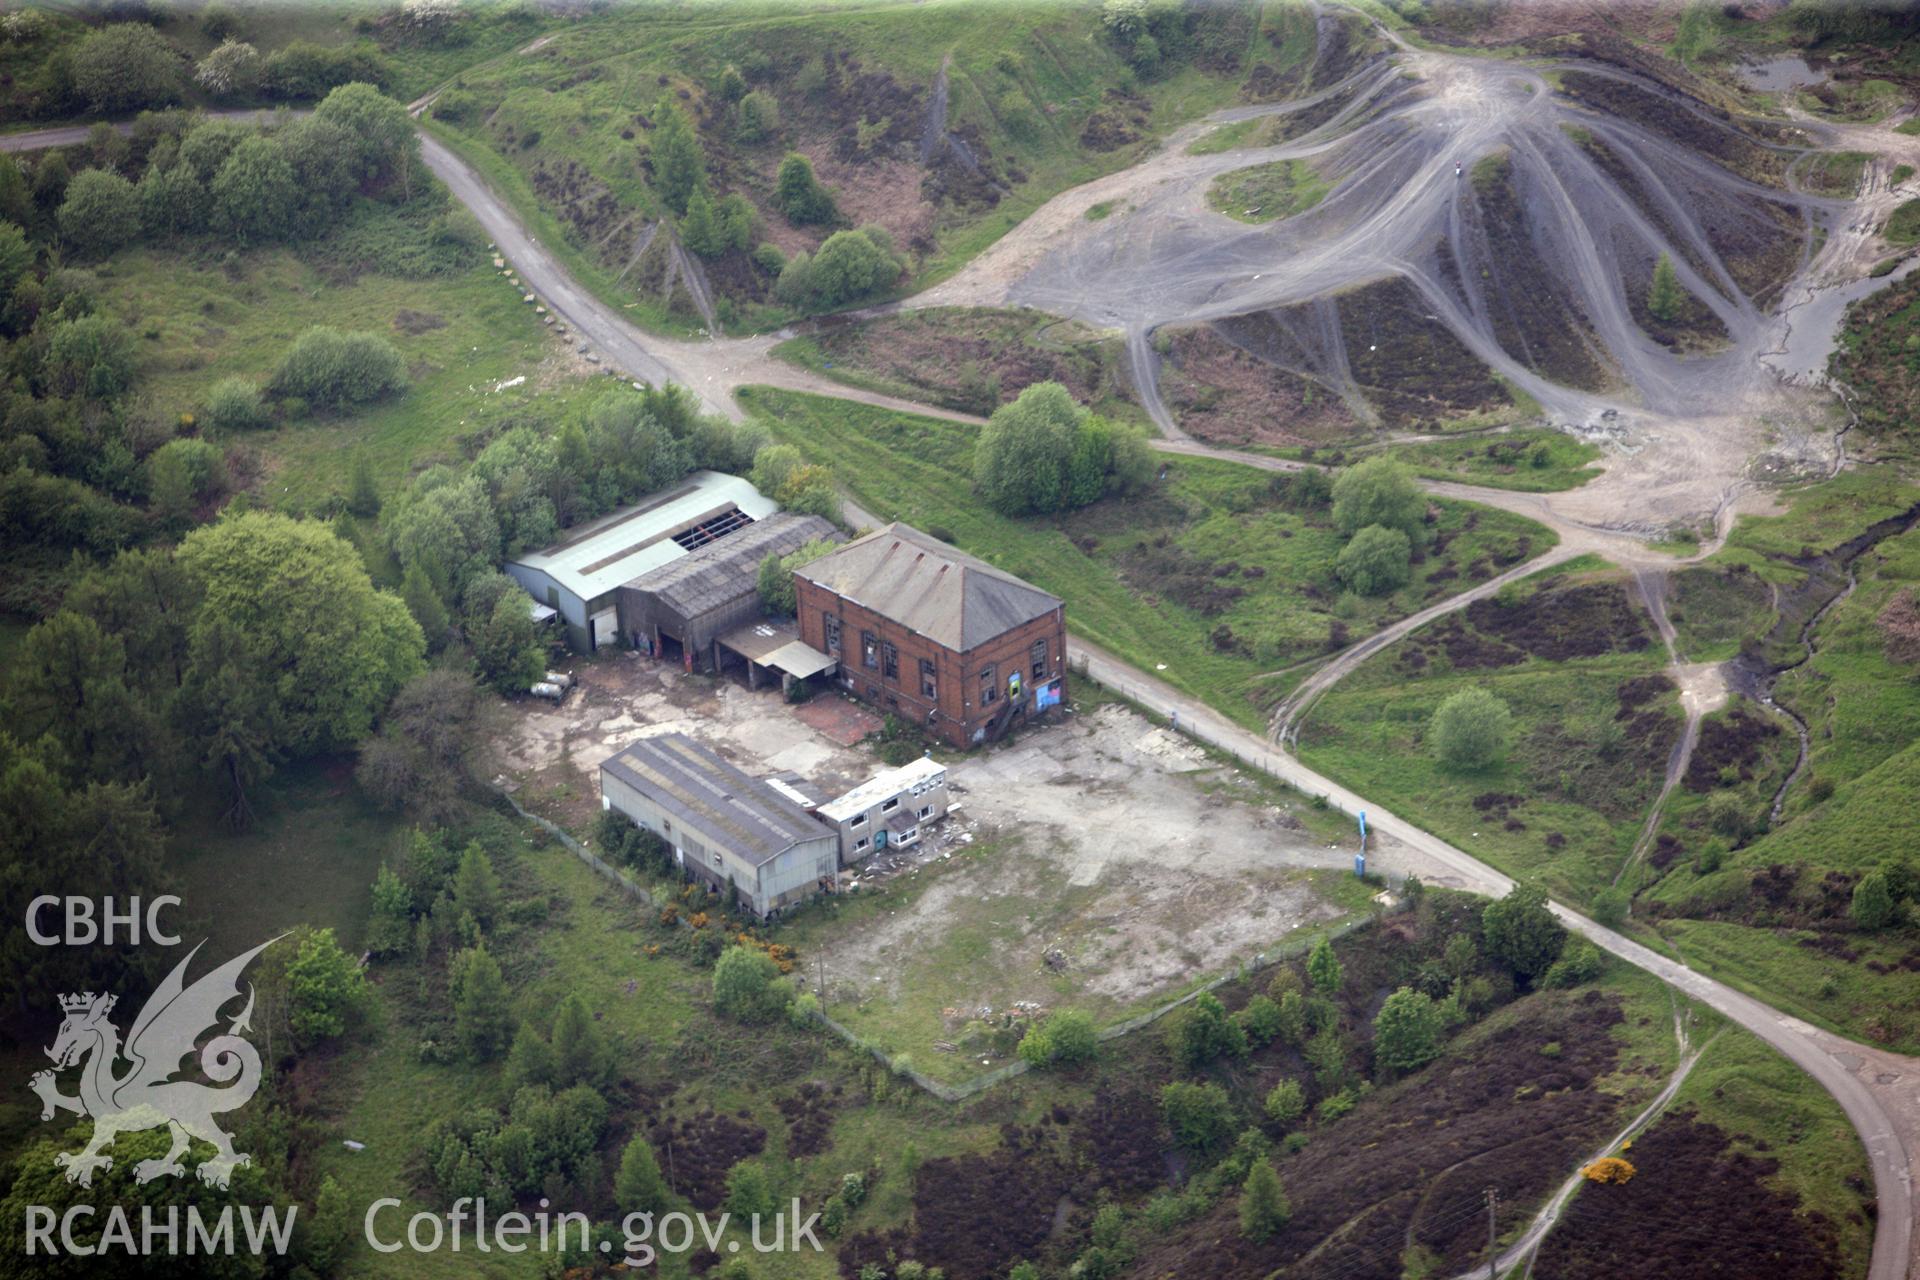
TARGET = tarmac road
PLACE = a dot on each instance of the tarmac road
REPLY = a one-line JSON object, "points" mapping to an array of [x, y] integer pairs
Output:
{"points": [[1879, 1092]]}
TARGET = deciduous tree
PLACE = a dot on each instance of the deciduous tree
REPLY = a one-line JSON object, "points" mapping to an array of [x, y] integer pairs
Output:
{"points": [[746, 985], [1406, 1031], [1263, 1203], [101, 212], [1520, 931], [125, 66], [1469, 730], [335, 647], [1378, 491], [1377, 560]]}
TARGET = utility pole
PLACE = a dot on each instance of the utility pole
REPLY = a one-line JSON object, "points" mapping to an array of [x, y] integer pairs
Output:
{"points": [[1493, 1213]]}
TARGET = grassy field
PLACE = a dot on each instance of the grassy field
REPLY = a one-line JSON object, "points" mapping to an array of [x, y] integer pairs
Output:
{"points": [[1268, 192], [1531, 461], [1568, 800], [1143, 577], [199, 315], [1713, 609], [316, 841]]}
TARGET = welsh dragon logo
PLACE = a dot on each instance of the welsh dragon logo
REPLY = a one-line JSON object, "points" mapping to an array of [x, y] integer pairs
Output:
{"points": [[145, 1096]]}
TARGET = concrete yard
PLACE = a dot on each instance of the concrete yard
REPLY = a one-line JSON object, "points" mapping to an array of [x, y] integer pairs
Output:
{"points": [[1102, 861]]}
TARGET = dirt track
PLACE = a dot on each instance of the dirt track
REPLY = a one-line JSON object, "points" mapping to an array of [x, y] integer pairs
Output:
{"points": [[1876, 1089]]}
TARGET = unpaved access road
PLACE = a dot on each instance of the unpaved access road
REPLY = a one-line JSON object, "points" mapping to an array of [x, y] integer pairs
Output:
{"points": [[1879, 1092]]}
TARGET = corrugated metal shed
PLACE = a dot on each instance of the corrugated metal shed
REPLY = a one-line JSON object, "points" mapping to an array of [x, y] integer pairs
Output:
{"points": [[705, 793], [598, 556], [920, 582], [719, 573]]}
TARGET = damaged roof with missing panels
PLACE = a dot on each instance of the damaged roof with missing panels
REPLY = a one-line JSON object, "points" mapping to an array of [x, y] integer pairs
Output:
{"points": [[594, 558], [937, 590], [705, 793], [716, 574]]}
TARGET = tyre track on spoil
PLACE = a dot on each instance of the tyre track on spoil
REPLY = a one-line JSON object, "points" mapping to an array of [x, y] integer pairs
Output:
{"points": [[1876, 1090]]}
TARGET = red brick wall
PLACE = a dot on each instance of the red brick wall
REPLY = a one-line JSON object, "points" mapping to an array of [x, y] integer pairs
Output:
{"points": [[958, 675]]}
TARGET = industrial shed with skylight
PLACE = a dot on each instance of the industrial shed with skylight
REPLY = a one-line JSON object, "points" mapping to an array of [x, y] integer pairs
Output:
{"points": [[580, 575]]}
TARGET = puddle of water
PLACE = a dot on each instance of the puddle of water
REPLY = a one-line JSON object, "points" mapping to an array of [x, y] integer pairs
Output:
{"points": [[1815, 326], [1777, 74]]}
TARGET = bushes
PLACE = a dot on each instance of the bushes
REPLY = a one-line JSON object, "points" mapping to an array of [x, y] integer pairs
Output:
{"points": [[1200, 1116], [1520, 931], [1043, 453], [545, 1143], [91, 356], [849, 266], [182, 474], [1286, 1102], [233, 68], [1406, 1031], [126, 66], [301, 69], [1376, 561], [101, 212], [1469, 730], [1578, 964], [233, 404], [327, 368], [747, 986], [1378, 491], [1204, 1032], [776, 576], [757, 118], [799, 195], [1062, 1039], [256, 193]]}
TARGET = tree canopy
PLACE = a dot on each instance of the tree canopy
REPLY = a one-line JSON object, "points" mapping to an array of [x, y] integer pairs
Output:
{"points": [[1043, 452], [1376, 561], [1469, 730], [1520, 931], [1379, 491], [125, 66], [747, 986], [1406, 1031], [332, 646], [101, 212]]}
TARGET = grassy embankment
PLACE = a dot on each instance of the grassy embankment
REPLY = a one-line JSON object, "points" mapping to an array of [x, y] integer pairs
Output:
{"points": [[1209, 581], [969, 359], [1040, 95], [1587, 748], [1846, 814]]}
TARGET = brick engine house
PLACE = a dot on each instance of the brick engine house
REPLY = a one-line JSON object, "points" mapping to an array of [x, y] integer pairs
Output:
{"points": [[934, 636]]}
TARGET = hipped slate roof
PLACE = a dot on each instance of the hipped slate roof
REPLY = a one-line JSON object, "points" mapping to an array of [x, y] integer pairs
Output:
{"points": [[920, 582], [723, 571], [710, 796]]}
